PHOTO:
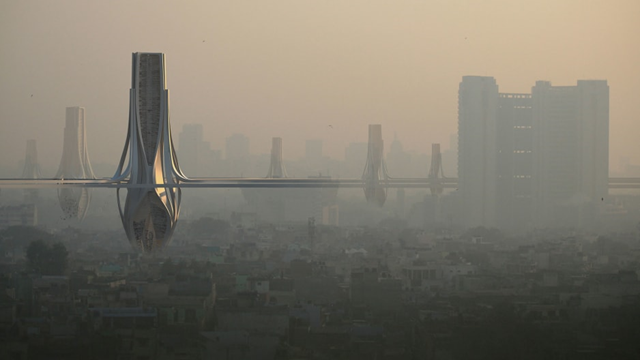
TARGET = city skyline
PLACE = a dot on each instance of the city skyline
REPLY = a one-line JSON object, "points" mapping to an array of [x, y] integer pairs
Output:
{"points": [[328, 179], [235, 68]]}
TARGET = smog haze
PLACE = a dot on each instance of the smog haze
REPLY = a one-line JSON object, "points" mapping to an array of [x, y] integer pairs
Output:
{"points": [[303, 69]]}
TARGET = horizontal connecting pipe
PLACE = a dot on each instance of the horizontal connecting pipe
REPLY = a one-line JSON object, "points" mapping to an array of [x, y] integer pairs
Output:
{"points": [[232, 182]]}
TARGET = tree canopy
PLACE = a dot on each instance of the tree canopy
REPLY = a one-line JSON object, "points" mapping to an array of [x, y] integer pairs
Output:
{"points": [[15, 236], [47, 259]]}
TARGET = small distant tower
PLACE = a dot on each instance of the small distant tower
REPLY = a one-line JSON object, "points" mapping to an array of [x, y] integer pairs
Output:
{"points": [[436, 174], [436, 170], [75, 164], [276, 169], [31, 171], [375, 175]]}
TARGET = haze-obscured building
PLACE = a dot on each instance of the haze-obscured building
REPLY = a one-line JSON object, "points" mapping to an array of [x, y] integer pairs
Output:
{"points": [[477, 150], [195, 155], [532, 160], [514, 164], [19, 215], [570, 151], [398, 161], [355, 157]]}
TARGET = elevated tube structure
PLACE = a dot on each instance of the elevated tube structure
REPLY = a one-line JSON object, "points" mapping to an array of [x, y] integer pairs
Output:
{"points": [[75, 164], [149, 161]]}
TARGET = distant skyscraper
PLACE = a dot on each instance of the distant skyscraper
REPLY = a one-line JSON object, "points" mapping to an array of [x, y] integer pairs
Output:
{"points": [[514, 167], [195, 154], [75, 164], [190, 146], [477, 148], [532, 160], [570, 150], [398, 161]]}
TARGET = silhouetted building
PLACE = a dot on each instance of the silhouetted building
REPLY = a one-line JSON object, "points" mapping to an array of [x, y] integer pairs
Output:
{"points": [[532, 160], [195, 154], [398, 161], [477, 149], [514, 165], [191, 148]]}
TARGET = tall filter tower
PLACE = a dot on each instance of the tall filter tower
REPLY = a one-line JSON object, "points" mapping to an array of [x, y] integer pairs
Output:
{"points": [[271, 204], [375, 174], [31, 171], [276, 167], [75, 164], [150, 214]]}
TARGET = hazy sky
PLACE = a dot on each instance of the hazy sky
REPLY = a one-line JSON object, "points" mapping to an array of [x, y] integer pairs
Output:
{"points": [[292, 68]]}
